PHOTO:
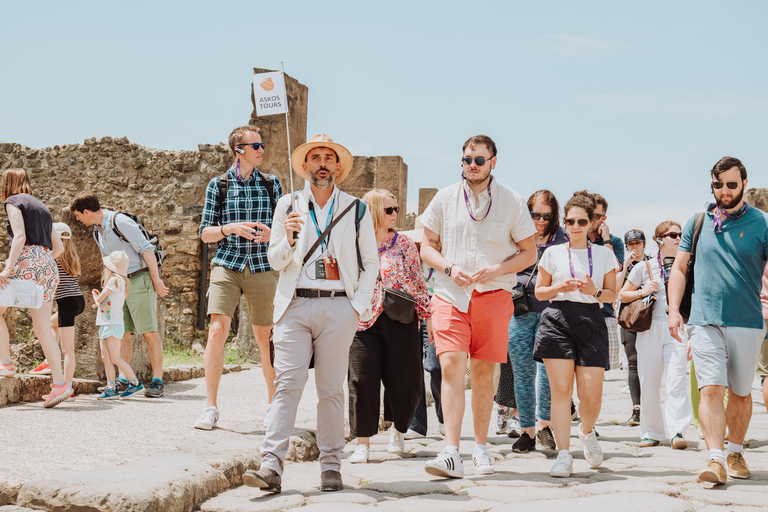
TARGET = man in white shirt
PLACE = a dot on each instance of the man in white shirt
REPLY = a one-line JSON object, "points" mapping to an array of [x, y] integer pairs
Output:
{"points": [[325, 288], [478, 234]]}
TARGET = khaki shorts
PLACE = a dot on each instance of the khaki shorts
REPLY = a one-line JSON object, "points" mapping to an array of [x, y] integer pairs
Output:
{"points": [[140, 308], [259, 289], [762, 363]]}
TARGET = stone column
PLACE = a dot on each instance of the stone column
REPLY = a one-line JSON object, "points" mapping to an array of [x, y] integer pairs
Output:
{"points": [[425, 197]]}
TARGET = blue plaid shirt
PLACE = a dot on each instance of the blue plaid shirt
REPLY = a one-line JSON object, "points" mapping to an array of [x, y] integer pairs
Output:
{"points": [[245, 202]]}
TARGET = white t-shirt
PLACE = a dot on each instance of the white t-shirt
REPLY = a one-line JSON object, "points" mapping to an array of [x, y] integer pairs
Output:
{"points": [[110, 310], [555, 262], [639, 277]]}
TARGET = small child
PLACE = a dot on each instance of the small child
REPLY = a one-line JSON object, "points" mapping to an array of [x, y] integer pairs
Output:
{"points": [[70, 303], [109, 318]]}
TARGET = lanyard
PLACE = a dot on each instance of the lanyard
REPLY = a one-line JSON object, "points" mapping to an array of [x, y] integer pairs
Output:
{"points": [[661, 267], [394, 240], [466, 200], [431, 271], [589, 255], [324, 244], [720, 215], [550, 241]]}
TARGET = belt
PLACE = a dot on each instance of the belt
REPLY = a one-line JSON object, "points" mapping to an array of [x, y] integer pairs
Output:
{"points": [[316, 294], [138, 272]]}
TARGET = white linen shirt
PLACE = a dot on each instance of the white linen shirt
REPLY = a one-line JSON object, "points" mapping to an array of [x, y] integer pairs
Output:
{"points": [[473, 245], [307, 277]]}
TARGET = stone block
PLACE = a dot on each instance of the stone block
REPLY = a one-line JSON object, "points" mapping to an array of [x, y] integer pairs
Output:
{"points": [[168, 482], [425, 197]]}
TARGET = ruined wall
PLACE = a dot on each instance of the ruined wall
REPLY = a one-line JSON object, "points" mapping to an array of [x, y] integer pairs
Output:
{"points": [[757, 197]]}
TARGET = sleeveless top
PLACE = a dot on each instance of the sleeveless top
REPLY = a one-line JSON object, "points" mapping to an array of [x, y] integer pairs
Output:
{"points": [[38, 223]]}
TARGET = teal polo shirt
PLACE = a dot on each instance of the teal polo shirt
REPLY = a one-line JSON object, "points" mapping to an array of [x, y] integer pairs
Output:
{"points": [[728, 270]]}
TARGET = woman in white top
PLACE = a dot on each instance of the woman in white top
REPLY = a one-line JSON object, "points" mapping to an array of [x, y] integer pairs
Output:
{"points": [[572, 338], [658, 353]]}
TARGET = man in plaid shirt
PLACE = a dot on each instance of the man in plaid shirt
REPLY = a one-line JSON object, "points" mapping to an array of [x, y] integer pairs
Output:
{"points": [[240, 223]]}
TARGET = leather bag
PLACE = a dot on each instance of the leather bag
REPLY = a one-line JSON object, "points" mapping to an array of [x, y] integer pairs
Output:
{"points": [[638, 315]]}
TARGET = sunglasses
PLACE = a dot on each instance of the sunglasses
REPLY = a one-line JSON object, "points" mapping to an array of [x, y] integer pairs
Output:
{"points": [[543, 216], [673, 236], [479, 160], [597, 216], [254, 145], [392, 209], [733, 185], [582, 222]]}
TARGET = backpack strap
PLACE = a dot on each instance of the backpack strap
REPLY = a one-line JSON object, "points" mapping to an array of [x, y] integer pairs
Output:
{"points": [[360, 211], [223, 186], [267, 178], [115, 228], [698, 222]]}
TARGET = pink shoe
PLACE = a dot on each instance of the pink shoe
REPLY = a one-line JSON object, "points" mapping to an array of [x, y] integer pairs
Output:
{"points": [[58, 395], [42, 369], [6, 370]]}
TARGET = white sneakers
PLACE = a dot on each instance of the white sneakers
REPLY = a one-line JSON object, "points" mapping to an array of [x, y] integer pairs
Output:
{"points": [[563, 465], [482, 462], [592, 451], [441, 429], [412, 434], [396, 441], [447, 465], [208, 419], [362, 452]]}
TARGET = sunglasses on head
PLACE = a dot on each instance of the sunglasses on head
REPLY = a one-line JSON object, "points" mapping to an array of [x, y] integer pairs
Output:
{"points": [[479, 160], [673, 236], [254, 145], [582, 222], [391, 209], [543, 216], [733, 185]]}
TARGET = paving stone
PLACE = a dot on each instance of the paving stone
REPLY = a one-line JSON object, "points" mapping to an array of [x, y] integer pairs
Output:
{"points": [[338, 507], [233, 457], [620, 484], [14, 508], [640, 502], [722, 495], [359, 496], [249, 499], [504, 495], [713, 508], [412, 488], [170, 481], [437, 503]]}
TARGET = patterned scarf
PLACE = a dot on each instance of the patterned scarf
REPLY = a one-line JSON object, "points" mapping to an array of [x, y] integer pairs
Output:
{"points": [[719, 215]]}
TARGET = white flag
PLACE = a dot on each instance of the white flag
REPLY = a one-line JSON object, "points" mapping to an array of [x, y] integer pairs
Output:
{"points": [[269, 93]]}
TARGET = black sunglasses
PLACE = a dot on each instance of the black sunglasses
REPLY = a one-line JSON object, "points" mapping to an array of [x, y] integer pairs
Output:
{"points": [[582, 222], [733, 185], [479, 160], [254, 145], [391, 209], [544, 216], [673, 236]]}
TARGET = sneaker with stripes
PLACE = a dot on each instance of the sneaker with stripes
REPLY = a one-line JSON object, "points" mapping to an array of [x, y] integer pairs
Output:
{"points": [[447, 465]]}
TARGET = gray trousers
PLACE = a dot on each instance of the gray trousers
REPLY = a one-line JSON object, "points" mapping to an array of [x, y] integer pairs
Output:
{"points": [[325, 327]]}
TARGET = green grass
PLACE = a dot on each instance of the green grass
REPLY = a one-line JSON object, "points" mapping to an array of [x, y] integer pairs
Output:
{"points": [[176, 354]]}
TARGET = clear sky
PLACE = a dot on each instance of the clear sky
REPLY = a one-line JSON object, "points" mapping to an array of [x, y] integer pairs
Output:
{"points": [[635, 101]]}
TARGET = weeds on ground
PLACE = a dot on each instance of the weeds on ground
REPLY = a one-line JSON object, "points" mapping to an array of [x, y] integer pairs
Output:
{"points": [[174, 353]]}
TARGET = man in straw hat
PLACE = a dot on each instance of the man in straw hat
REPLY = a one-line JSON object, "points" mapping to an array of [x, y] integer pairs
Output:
{"points": [[325, 288]]}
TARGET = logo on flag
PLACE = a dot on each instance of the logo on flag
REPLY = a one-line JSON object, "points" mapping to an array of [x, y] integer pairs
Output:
{"points": [[269, 94]]}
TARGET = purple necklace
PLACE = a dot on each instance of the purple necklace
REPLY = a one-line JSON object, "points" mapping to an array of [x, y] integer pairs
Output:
{"points": [[720, 214], [589, 256], [466, 200]]}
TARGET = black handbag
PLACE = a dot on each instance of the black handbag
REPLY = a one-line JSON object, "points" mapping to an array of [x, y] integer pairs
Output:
{"points": [[520, 293], [398, 305]]}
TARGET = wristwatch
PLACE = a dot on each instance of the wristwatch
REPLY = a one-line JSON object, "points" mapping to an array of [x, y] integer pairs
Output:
{"points": [[448, 269], [598, 293]]}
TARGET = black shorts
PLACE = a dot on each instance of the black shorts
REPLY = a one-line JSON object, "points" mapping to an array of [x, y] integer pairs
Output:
{"points": [[69, 308], [573, 330]]}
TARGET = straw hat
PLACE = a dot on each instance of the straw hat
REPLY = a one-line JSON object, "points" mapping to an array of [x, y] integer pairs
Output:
{"points": [[321, 140], [417, 233], [117, 262], [63, 230]]}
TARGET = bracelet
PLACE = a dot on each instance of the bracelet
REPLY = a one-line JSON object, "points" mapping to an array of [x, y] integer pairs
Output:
{"points": [[639, 294], [221, 228]]}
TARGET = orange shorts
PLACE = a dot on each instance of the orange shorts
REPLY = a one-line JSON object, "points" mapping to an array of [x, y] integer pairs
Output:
{"points": [[482, 331]]}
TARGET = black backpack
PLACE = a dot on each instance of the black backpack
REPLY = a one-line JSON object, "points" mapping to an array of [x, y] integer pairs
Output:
{"points": [[153, 239], [224, 186]]}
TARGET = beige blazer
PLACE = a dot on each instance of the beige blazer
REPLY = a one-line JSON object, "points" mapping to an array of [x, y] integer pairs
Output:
{"points": [[359, 286]]}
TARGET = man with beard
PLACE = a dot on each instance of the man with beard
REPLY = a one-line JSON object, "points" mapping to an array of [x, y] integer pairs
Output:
{"points": [[238, 214], [726, 326], [326, 287], [477, 234]]}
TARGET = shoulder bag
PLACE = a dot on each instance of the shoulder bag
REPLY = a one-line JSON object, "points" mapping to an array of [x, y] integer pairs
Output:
{"points": [[520, 293], [685, 302], [638, 315]]}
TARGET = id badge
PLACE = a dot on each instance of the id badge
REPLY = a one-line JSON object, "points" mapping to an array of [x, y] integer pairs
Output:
{"points": [[331, 268], [319, 269]]}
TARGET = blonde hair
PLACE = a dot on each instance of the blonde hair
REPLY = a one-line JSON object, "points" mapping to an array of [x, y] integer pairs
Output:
{"points": [[375, 200], [15, 181], [69, 259], [662, 228], [107, 273]]}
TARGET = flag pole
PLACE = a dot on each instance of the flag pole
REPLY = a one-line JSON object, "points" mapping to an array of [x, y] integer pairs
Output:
{"points": [[288, 137]]}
